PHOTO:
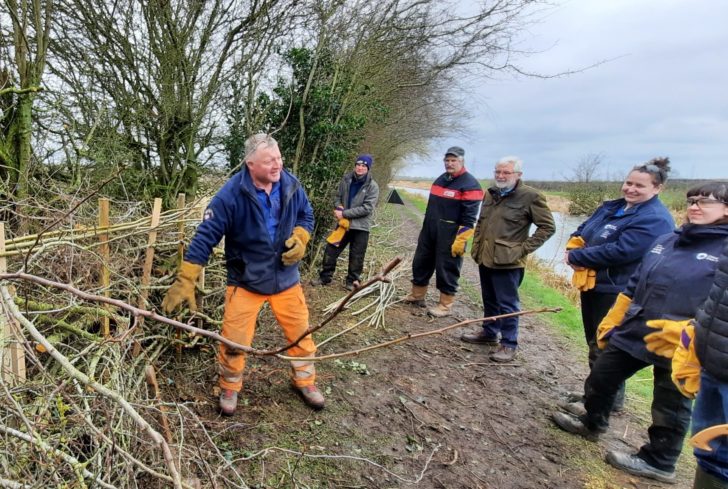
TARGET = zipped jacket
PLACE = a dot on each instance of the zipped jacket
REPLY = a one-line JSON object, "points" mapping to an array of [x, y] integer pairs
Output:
{"points": [[252, 259], [671, 282], [711, 328], [616, 244], [502, 236], [454, 201], [362, 204]]}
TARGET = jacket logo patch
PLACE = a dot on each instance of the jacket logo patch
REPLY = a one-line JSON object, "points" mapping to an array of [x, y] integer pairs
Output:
{"points": [[608, 230], [448, 193], [657, 250], [705, 256], [208, 214]]}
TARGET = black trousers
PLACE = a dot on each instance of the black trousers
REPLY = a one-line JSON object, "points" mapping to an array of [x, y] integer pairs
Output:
{"points": [[434, 256], [670, 409], [594, 306], [358, 241]]}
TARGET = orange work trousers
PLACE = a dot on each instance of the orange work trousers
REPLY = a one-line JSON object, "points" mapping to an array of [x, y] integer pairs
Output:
{"points": [[238, 325]]}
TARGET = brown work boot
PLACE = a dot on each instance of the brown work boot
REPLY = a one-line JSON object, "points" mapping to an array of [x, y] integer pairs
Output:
{"points": [[417, 296], [312, 397], [228, 402], [504, 354], [444, 307], [480, 338]]}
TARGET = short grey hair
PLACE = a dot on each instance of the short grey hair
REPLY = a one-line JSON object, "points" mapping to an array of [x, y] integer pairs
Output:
{"points": [[517, 163], [255, 141]]}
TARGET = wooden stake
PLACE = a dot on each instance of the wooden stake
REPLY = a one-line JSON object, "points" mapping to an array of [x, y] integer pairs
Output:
{"points": [[201, 278], [180, 258], [181, 230], [149, 256], [12, 354], [105, 257]]}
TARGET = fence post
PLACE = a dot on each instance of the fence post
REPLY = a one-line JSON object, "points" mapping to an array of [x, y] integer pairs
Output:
{"points": [[201, 278], [105, 257], [12, 354], [181, 201], [181, 229], [149, 256]]}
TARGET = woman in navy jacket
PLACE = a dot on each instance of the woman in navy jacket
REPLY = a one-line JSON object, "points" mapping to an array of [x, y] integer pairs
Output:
{"points": [[612, 243], [671, 282]]}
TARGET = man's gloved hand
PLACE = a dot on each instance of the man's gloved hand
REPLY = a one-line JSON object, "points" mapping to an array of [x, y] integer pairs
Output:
{"points": [[685, 364], [461, 240], [183, 288], [575, 242], [338, 234], [664, 341], [297, 244], [612, 320]]}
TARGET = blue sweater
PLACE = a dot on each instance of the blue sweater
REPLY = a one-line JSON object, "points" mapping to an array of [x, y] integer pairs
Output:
{"points": [[253, 258], [616, 242]]}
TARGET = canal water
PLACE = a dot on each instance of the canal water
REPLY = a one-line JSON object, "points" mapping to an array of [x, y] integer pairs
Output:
{"points": [[552, 251]]}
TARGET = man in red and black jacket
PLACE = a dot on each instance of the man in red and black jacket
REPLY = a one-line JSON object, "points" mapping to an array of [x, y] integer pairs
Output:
{"points": [[449, 220]]}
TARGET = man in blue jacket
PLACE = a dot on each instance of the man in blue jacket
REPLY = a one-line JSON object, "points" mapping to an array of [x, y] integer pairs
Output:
{"points": [[266, 219]]}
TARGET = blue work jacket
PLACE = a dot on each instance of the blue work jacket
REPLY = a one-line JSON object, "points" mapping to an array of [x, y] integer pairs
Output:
{"points": [[252, 259], [672, 281], [616, 244]]}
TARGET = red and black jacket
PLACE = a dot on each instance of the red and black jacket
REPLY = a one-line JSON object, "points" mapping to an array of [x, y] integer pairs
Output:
{"points": [[454, 199]]}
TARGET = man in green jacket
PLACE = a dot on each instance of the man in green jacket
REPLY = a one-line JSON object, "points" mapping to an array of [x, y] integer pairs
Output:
{"points": [[500, 247]]}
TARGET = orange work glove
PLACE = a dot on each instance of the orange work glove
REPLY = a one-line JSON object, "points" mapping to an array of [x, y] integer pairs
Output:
{"points": [[297, 246], [575, 242], [183, 288], [461, 241], [685, 364], [584, 279], [664, 341], [338, 234], [612, 320]]}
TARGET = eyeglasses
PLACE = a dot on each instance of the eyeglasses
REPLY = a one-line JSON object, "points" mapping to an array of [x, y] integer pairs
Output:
{"points": [[504, 173], [703, 202]]}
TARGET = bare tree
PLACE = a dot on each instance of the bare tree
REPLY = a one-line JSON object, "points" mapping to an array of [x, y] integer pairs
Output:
{"points": [[587, 168], [148, 74]]}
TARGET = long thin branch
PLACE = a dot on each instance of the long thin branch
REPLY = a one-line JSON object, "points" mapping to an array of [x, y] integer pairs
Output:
{"points": [[179, 325], [421, 335]]}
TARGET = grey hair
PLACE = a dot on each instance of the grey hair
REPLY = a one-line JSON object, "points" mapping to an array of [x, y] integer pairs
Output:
{"points": [[257, 140], [517, 163]]}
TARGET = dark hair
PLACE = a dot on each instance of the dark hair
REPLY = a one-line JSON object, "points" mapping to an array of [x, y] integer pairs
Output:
{"points": [[657, 167], [719, 190]]}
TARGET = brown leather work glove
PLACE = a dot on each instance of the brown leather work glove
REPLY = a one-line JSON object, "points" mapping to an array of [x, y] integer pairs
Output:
{"points": [[183, 289], [297, 244]]}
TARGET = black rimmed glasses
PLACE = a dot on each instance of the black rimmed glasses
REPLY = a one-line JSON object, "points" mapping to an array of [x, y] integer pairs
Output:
{"points": [[703, 202]]}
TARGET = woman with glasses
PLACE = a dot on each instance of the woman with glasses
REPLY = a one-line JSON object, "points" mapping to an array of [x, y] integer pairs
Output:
{"points": [[671, 282], [699, 350], [606, 249]]}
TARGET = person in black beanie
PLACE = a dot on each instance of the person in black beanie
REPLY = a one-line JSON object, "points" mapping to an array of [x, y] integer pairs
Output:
{"points": [[356, 199]]}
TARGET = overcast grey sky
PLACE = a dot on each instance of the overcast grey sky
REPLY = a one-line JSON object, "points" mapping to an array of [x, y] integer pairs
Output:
{"points": [[665, 93]]}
